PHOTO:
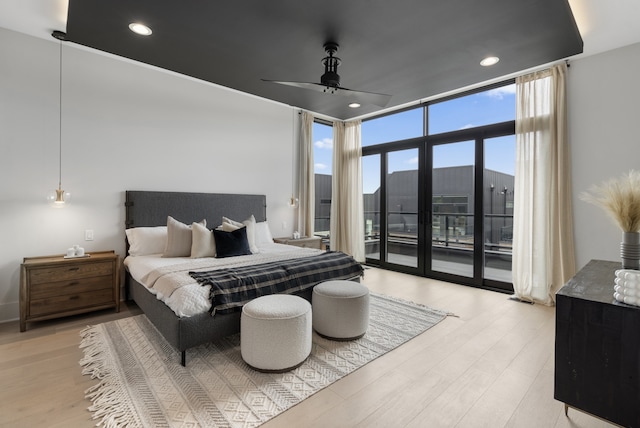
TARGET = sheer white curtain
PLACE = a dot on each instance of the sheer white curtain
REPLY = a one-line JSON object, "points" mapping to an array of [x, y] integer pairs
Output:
{"points": [[306, 177], [543, 249], [347, 212]]}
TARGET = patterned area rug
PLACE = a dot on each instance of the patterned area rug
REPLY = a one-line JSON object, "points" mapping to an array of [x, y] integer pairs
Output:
{"points": [[142, 383]]}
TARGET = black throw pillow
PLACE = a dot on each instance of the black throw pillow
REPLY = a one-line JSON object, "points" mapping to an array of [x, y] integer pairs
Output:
{"points": [[233, 243]]}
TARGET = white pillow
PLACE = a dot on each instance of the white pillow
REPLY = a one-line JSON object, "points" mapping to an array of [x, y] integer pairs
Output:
{"points": [[229, 225], [203, 243], [263, 233], [178, 238], [146, 240]]}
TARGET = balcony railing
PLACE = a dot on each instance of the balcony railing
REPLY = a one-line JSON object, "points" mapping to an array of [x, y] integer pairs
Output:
{"points": [[447, 230], [452, 238]]}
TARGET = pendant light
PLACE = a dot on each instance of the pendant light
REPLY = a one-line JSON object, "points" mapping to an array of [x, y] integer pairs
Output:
{"points": [[59, 197]]}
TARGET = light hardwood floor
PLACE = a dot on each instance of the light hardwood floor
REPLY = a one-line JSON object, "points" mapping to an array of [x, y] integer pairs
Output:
{"points": [[491, 365]]}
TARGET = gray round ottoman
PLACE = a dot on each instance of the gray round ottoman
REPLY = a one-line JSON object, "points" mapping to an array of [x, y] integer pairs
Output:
{"points": [[340, 309], [275, 332]]}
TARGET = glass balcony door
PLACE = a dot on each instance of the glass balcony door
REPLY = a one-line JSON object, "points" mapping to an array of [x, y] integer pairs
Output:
{"points": [[453, 229], [391, 192], [498, 187], [402, 207], [371, 192], [442, 208]]}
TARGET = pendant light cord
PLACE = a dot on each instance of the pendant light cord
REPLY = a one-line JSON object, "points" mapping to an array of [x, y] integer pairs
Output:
{"points": [[293, 152], [60, 123]]}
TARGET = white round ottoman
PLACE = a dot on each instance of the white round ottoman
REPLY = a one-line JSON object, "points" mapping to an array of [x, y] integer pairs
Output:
{"points": [[340, 309], [275, 332]]}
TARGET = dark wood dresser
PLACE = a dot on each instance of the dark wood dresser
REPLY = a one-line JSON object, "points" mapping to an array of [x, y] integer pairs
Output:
{"points": [[54, 286], [597, 349]]}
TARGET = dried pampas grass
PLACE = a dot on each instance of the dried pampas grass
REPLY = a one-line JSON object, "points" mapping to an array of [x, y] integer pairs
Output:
{"points": [[620, 198]]}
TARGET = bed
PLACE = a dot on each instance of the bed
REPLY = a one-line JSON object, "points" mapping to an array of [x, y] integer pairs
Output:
{"points": [[149, 210]]}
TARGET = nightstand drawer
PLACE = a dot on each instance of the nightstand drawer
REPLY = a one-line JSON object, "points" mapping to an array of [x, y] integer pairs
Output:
{"points": [[70, 302], [72, 271], [70, 286], [304, 242]]}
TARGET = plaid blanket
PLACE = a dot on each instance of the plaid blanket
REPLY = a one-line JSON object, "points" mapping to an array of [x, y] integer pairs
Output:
{"points": [[231, 288]]}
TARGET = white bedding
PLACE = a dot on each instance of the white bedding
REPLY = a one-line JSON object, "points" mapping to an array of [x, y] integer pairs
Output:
{"points": [[169, 280]]}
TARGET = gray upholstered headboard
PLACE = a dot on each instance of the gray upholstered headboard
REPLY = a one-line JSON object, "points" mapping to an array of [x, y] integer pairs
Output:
{"points": [[150, 208]]}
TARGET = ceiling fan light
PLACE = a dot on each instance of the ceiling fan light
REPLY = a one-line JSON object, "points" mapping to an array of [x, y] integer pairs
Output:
{"points": [[141, 29], [489, 61]]}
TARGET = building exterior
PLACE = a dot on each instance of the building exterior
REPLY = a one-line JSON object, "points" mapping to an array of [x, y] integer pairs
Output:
{"points": [[452, 225]]}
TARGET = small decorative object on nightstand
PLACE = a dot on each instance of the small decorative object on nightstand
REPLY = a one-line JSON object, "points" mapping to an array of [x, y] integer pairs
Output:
{"points": [[57, 286], [306, 242]]}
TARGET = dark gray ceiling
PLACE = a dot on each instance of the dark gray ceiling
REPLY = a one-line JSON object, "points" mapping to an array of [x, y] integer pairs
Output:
{"points": [[410, 49]]}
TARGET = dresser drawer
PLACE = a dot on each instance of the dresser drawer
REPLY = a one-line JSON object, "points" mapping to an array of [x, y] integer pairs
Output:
{"points": [[70, 302], [72, 271], [70, 286]]}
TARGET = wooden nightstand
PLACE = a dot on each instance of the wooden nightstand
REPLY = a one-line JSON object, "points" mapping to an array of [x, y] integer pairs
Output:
{"points": [[306, 242], [54, 286]]}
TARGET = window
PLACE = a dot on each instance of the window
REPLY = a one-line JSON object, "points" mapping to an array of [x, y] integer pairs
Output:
{"points": [[438, 188], [499, 175], [394, 127], [323, 160], [483, 108], [371, 205]]}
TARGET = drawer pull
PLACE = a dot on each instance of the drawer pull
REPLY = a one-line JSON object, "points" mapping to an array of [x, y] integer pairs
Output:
{"points": [[74, 297], [73, 283], [73, 268]]}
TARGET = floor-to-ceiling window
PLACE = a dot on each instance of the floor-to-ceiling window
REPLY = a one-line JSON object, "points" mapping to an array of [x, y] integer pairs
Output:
{"points": [[371, 206], [438, 188], [452, 208], [402, 207], [322, 159], [499, 174]]}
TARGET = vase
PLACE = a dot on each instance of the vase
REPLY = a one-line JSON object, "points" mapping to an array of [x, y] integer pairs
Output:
{"points": [[630, 250]]}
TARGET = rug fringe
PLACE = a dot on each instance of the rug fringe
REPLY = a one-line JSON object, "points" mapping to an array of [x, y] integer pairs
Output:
{"points": [[93, 364], [108, 395], [108, 399]]}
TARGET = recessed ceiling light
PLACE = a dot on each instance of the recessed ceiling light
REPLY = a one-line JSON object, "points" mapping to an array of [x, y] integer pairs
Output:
{"points": [[139, 28], [354, 105], [490, 60]]}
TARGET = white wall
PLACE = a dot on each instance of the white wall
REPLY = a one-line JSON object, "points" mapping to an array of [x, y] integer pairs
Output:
{"points": [[126, 126], [604, 120]]}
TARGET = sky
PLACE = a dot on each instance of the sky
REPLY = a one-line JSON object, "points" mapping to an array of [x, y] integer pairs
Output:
{"points": [[493, 106]]}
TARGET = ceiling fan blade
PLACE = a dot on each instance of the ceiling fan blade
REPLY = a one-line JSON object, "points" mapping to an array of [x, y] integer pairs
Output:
{"points": [[307, 85], [380, 100]]}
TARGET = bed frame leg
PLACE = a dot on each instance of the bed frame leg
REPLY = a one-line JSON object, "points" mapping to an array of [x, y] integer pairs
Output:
{"points": [[183, 358]]}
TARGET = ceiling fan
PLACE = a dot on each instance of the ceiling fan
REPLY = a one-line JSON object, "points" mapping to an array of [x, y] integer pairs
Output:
{"points": [[330, 81]]}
